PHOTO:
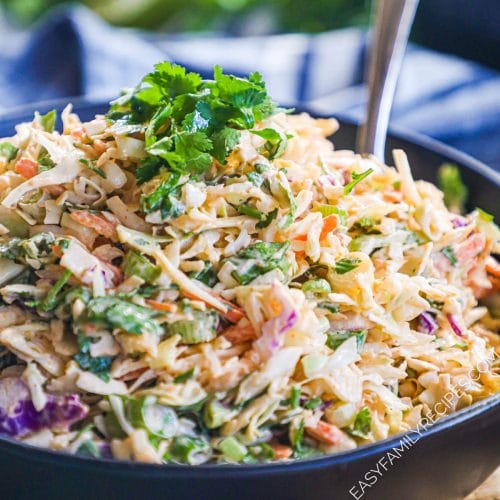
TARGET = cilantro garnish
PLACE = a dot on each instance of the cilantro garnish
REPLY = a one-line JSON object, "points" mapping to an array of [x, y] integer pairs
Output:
{"points": [[356, 179], [344, 266], [188, 121], [449, 253], [362, 424], [99, 365]]}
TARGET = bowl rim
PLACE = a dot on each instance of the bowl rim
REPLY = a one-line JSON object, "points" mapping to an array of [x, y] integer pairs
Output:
{"points": [[371, 450]]}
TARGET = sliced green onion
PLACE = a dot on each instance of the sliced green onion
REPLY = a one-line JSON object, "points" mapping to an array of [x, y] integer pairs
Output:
{"points": [[136, 264], [335, 339], [190, 450], [8, 151], [232, 449], [194, 331], [362, 424], [319, 285], [52, 299], [216, 414], [295, 397], [89, 449], [146, 413]]}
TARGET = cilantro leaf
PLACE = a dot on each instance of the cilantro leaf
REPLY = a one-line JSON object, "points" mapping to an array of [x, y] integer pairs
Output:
{"points": [[356, 179], [344, 266], [275, 144], [165, 198], [224, 142], [118, 313], [335, 339], [99, 365], [362, 424], [449, 253]]}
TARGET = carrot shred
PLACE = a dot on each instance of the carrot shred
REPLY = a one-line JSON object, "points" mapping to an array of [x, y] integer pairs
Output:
{"points": [[161, 306], [329, 224], [300, 237], [95, 222], [233, 314], [281, 451], [326, 433], [26, 167]]}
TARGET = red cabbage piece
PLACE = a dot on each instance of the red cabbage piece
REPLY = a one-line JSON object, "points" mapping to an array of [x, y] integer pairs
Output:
{"points": [[19, 417], [454, 325], [427, 323]]}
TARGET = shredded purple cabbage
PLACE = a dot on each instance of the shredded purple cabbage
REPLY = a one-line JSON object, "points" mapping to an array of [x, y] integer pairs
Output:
{"points": [[459, 222], [427, 323], [454, 325], [19, 417]]}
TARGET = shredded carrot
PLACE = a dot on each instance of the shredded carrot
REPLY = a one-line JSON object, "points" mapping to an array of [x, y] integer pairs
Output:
{"points": [[233, 314], [161, 306], [393, 196], [329, 224], [470, 248], [326, 433], [240, 333], [26, 167], [281, 451], [300, 237], [99, 224], [56, 250], [493, 267]]}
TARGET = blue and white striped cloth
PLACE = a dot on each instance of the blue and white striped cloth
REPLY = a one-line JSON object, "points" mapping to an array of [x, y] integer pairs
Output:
{"points": [[73, 52]]}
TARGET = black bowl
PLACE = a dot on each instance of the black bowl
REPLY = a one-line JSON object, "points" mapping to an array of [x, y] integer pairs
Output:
{"points": [[446, 460]]}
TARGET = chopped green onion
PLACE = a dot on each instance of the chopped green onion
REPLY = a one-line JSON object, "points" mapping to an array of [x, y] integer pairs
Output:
{"points": [[52, 299], [202, 328], [48, 120], [232, 449], [320, 286], [295, 397], [335, 339], [157, 419], [99, 171], [216, 414], [313, 403], [8, 151], [484, 215], [250, 211], [136, 264], [190, 450]]}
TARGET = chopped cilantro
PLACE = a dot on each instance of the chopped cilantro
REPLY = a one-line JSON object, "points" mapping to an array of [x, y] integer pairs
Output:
{"points": [[207, 275], [184, 376], [356, 179], [258, 259], [54, 297], [313, 403], [166, 197], [118, 313], [93, 168], [362, 424], [449, 253], [99, 365], [275, 144], [335, 339], [344, 266]]}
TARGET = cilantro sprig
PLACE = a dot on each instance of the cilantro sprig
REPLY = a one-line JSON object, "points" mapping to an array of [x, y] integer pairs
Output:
{"points": [[188, 122]]}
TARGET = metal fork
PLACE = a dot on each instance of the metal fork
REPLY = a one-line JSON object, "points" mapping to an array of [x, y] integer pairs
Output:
{"points": [[393, 21]]}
